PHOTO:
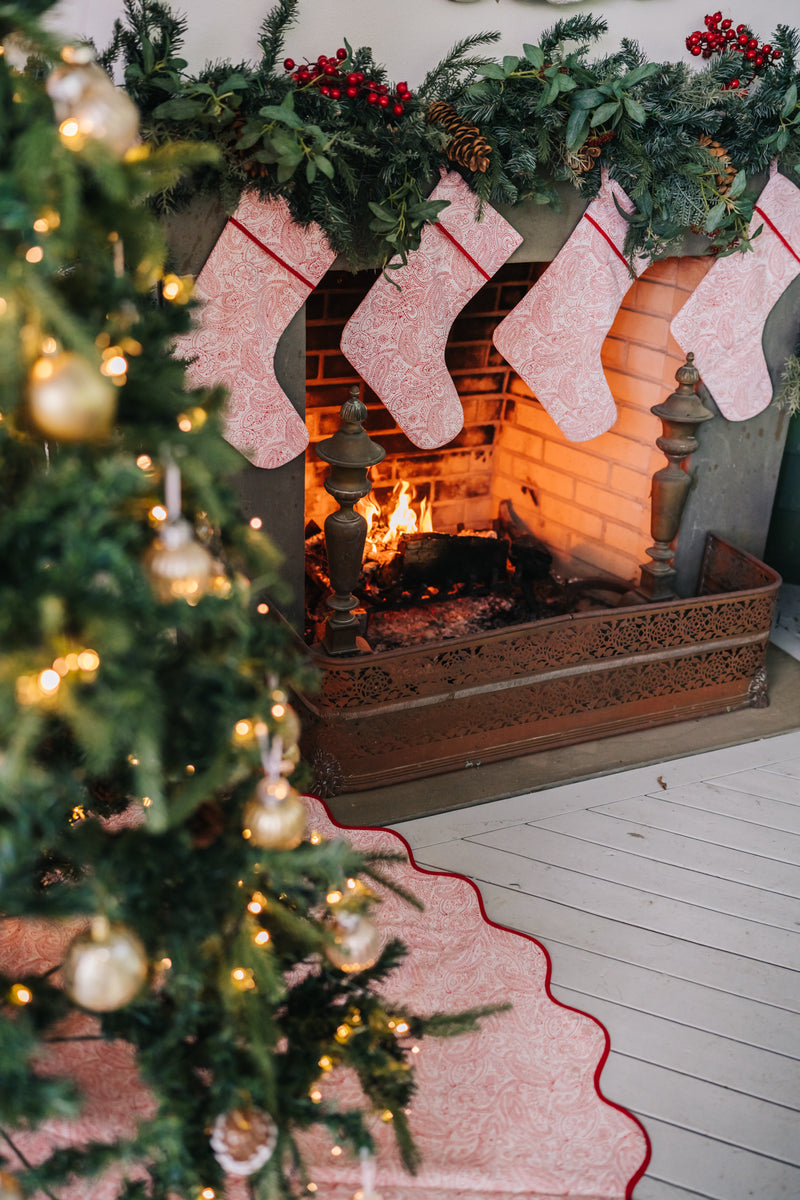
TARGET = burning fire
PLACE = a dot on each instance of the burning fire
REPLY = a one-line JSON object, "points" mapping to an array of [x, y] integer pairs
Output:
{"points": [[384, 530]]}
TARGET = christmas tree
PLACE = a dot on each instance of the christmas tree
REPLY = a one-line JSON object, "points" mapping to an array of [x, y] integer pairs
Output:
{"points": [[159, 890]]}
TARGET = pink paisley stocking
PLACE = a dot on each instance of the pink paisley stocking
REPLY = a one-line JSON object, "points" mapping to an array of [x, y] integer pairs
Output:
{"points": [[722, 322], [553, 337], [262, 269], [396, 337]]}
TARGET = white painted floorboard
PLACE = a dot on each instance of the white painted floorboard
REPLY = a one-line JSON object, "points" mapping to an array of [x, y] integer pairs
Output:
{"points": [[669, 900]]}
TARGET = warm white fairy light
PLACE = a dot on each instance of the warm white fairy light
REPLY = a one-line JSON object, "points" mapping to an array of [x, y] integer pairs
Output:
{"points": [[144, 462], [402, 1027], [158, 513], [208, 1194], [326, 1063], [333, 897], [263, 609], [49, 345], [256, 522], [315, 1096], [41, 225], [315, 838], [336, 1151], [415, 1049], [262, 937], [88, 660], [185, 423], [19, 994], [146, 801], [34, 255], [48, 681], [69, 130]]}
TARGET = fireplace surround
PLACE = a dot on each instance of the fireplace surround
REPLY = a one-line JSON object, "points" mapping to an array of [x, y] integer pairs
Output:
{"points": [[703, 653]]}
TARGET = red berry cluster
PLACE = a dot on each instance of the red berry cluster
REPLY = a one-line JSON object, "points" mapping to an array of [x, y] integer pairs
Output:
{"points": [[328, 74], [721, 36]]}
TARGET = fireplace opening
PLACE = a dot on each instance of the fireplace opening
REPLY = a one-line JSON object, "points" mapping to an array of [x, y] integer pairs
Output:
{"points": [[513, 523]]}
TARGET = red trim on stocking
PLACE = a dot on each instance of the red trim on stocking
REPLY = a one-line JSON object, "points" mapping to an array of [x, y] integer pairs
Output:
{"points": [[602, 231], [777, 233], [243, 229], [466, 253]]}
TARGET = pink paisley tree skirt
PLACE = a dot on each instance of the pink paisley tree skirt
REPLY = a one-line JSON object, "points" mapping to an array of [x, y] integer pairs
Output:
{"points": [[513, 1112]]}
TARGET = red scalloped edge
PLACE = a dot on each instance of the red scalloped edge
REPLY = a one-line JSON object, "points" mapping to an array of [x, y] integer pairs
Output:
{"points": [[548, 974]]}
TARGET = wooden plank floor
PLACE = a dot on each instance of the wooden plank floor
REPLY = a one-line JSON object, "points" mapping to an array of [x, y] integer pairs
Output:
{"points": [[667, 897]]}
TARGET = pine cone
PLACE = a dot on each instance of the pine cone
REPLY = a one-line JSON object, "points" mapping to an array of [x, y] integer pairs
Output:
{"points": [[727, 170], [467, 147], [328, 778]]}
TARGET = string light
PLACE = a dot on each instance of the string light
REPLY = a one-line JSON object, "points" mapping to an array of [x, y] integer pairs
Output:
{"points": [[78, 814], [49, 345], [166, 963], [243, 979], [70, 130], [257, 903], [19, 994], [333, 897], [402, 1027], [208, 1194], [144, 462], [262, 608], [190, 768], [49, 681], [326, 1063], [342, 1033], [256, 522], [146, 801], [386, 1116], [311, 1187], [184, 423], [336, 1151], [351, 883], [158, 513], [243, 729], [315, 1096], [261, 938], [415, 1049], [315, 838], [34, 255]]}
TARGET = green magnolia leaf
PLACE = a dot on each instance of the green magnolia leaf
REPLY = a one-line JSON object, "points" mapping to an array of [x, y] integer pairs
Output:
{"points": [[634, 110], [577, 128], [534, 55], [179, 109], [274, 112], [738, 185], [510, 63], [588, 98], [789, 100], [492, 71], [643, 71], [714, 217], [604, 112]]}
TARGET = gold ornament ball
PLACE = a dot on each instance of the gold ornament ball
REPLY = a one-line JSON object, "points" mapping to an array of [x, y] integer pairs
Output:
{"points": [[9, 1187], [69, 400], [180, 568], [275, 816], [243, 1140], [104, 967], [82, 93], [357, 943]]}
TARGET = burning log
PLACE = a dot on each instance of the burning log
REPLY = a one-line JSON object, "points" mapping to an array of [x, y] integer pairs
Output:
{"points": [[444, 560]]}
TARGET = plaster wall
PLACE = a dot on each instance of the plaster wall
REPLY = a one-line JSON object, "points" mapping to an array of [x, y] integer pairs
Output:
{"points": [[411, 37]]}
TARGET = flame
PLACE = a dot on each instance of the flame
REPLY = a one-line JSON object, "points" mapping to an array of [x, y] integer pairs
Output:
{"points": [[386, 529]]}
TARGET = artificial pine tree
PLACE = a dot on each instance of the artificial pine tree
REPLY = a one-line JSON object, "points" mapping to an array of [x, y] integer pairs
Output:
{"points": [[157, 884]]}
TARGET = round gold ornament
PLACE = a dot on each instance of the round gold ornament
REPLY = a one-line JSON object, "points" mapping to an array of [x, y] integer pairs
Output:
{"points": [[357, 943], [87, 104], [243, 1140], [275, 817], [178, 566], [9, 1187], [104, 967], [69, 400]]}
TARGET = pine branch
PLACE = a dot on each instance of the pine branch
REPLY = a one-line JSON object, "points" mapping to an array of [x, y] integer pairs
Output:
{"points": [[457, 69], [272, 34]]}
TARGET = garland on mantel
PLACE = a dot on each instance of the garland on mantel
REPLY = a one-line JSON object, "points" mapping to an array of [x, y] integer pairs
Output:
{"points": [[358, 155]]}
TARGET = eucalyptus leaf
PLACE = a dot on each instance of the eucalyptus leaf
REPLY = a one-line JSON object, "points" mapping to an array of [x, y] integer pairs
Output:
{"points": [[510, 63], [714, 217], [492, 71], [604, 112], [534, 55], [634, 110], [577, 128], [789, 100], [738, 185]]}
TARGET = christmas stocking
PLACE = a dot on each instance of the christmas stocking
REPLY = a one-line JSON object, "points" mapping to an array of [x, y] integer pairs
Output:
{"points": [[723, 319], [259, 273], [396, 337], [553, 337]]}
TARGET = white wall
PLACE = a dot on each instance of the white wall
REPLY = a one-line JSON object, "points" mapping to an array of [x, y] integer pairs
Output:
{"points": [[410, 36]]}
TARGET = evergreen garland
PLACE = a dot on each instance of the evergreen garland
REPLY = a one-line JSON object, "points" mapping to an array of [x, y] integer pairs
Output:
{"points": [[363, 173]]}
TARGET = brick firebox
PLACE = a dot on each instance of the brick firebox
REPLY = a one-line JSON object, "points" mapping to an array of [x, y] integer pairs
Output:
{"points": [[588, 501]]}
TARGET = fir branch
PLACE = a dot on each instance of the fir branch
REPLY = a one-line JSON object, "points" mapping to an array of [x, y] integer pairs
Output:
{"points": [[272, 34], [457, 69]]}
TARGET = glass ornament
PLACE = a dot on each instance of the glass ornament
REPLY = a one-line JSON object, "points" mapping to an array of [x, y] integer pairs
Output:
{"points": [[69, 400], [87, 104], [275, 816], [357, 943], [104, 967], [178, 566]]}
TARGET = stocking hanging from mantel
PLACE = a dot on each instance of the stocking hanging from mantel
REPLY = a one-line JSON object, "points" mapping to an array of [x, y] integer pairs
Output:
{"points": [[261, 270], [396, 338], [722, 322], [553, 337]]}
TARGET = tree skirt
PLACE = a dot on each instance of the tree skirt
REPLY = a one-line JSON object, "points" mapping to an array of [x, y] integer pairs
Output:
{"points": [[513, 1112]]}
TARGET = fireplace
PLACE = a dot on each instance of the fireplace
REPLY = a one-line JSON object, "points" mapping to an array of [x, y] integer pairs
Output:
{"points": [[395, 714]]}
